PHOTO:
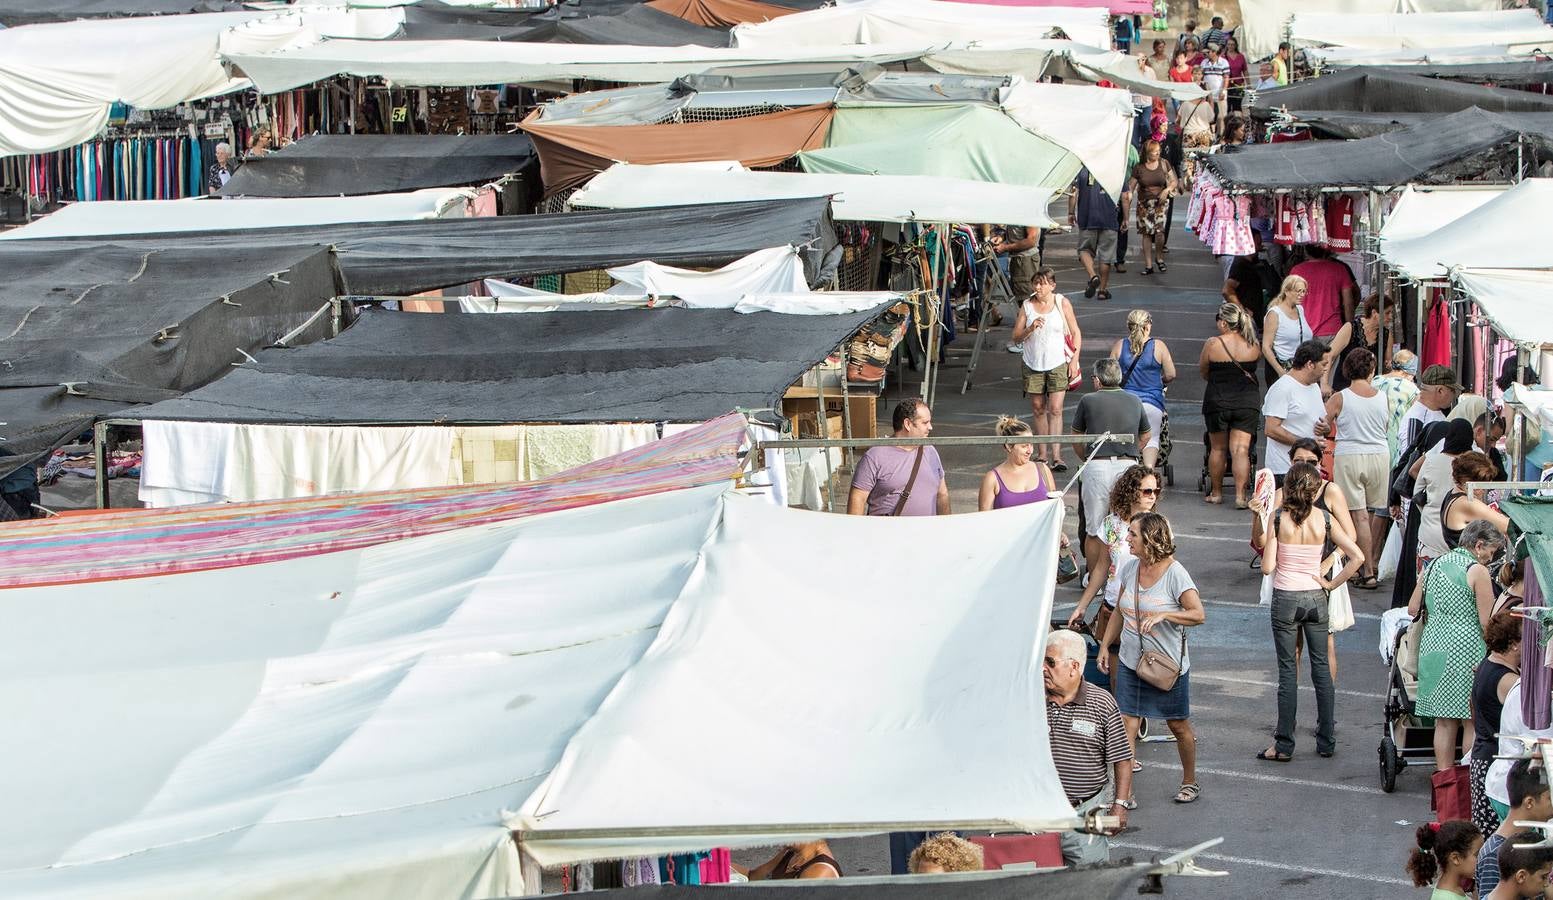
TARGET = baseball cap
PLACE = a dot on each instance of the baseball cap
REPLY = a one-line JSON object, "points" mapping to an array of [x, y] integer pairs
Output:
{"points": [[1441, 376]]}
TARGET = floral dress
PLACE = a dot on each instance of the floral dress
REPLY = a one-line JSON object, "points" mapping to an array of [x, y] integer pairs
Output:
{"points": [[1452, 643]]}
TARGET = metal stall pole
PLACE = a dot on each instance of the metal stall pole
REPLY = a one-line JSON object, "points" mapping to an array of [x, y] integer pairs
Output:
{"points": [[100, 463], [824, 432]]}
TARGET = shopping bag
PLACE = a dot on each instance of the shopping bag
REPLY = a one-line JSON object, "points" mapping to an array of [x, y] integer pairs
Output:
{"points": [[1339, 604], [1390, 555], [1452, 794], [1014, 851], [1267, 591]]}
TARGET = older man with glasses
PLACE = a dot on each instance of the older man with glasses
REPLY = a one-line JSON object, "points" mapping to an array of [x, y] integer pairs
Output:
{"points": [[1088, 743]]}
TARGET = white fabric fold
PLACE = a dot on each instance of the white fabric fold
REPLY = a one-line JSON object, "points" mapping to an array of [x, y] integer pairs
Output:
{"points": [[931, 21], [863, 198], [1092, 123], [120, 217]]}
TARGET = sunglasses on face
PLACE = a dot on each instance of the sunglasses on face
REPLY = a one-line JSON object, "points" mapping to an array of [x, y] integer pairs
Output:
{"points": [[1149, 492]]}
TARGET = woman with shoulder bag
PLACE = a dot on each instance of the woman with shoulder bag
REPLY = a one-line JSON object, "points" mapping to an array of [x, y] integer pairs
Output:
{"points": [[1297, 545], [1158, 602]]}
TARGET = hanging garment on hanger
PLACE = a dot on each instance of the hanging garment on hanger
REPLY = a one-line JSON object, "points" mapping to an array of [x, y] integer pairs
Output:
{"points": [[1437, 336], [1339, 223], [1318, 221]]}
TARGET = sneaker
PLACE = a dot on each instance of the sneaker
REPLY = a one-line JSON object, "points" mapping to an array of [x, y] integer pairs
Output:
{"points": [[1015, 348]]}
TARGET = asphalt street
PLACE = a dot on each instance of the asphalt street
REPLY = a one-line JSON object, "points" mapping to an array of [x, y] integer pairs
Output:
{"points": [[1314, 828]]}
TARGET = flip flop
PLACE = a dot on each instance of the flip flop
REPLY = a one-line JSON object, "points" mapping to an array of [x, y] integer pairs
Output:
{"points": [[1059, 467], [1272, 755], [1092, 286], [1367, 583], [1163, 268]]}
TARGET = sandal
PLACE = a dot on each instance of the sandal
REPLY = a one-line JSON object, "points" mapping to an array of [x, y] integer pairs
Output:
{"points": [[1137, 766], [1103, 295], [1162, 268], [1215, 499], [1148, 270], [1367, 582], [1188, 793], [1094, 285], [1271, 754]]}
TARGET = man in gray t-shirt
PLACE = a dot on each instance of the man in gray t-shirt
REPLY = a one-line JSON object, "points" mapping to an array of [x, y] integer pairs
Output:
{"points": [[1111, 409], [883, 474]]}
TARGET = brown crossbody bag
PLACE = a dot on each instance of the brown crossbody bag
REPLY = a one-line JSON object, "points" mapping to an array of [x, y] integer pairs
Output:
{"points": [[1154, 667]]}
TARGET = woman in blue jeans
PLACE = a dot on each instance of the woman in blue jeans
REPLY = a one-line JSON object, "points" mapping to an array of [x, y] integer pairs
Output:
{"points": [[1296, 553]]}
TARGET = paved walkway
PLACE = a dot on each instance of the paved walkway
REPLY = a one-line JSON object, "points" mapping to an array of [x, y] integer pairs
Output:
{"points": [[1315, 828]]}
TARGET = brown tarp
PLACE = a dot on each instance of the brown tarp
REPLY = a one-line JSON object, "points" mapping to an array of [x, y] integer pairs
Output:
{"points": [[571, 154], [721, 13]]}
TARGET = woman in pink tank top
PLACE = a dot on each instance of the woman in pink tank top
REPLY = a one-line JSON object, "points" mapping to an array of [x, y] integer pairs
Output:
{"points": [[1295, 556]]}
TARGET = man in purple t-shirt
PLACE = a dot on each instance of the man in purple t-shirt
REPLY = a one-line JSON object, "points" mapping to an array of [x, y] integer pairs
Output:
{"points": [[883, 472]]}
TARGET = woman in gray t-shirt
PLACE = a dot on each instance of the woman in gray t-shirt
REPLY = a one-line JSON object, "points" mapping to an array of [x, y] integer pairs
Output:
{"points": [[1157, 602]]}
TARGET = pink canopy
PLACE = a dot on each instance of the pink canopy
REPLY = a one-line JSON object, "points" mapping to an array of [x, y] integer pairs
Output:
{"points": [[1117, 7]]}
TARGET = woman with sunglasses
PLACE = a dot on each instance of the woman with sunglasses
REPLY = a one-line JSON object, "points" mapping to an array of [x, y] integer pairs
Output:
{"points": [[1136, 491]]}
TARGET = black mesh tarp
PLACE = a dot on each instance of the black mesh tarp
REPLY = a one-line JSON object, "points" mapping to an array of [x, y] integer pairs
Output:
{"points": [[1467, 145], [1108, 883], [32, 12], [331, 165], [124, 325], [640, 25], [1530, 72], [644, 365], [397, 258], [1362, 102]]}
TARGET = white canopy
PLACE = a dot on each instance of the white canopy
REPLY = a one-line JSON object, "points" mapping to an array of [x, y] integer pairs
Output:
{"points": [[873, 22], [1092, 123], [119, 217], [1381, 31], [453, 63], [1263, 20], [57, 81], [947, 690], [1518, 301], [1491, 236], [363, 723], [1338, 57], [1422, 210], [863, 198]]}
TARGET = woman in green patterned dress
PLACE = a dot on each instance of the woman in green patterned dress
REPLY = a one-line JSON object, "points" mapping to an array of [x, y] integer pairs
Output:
{"points": [[1457, 593]]}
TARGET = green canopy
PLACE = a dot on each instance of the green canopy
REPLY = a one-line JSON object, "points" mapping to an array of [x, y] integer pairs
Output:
{"points": [[956, 141], [1531, 523]]}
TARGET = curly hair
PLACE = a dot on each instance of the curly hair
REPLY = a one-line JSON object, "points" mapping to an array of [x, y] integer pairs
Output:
{"points": [[1124, 494], [1436, 843], [1157, 540], [949, 852]]}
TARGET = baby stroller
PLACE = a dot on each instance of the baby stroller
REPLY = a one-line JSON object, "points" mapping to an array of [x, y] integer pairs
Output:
{"points": [[1207, 448], [1404, 734]]}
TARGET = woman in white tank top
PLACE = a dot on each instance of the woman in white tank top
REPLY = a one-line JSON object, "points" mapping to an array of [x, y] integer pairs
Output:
{"points": [[1285, 327], [1361, 464], [1044, 326]]}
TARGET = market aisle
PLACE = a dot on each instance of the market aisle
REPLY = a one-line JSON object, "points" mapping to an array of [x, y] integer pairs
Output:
{"points": [[1280, 822]]}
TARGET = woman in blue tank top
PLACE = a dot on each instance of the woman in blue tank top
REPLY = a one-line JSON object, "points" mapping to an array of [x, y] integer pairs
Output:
{"points": [[1146, 368]]}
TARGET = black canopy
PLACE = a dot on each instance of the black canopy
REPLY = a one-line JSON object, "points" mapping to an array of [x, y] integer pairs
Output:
{"points": [[1529, 72], [640, 365], [122, 325], [33, 12], [1362, 102], [588, 23], [1467, 145], [398, 258], [331, 165], [1108, 883], [641, 25]]}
